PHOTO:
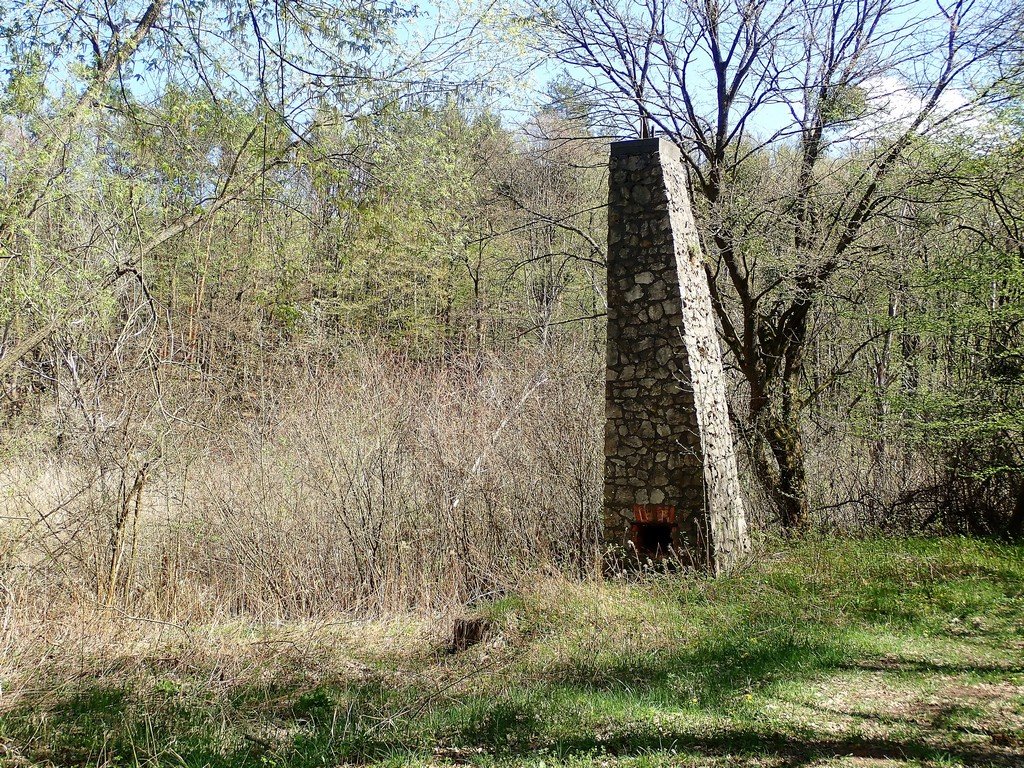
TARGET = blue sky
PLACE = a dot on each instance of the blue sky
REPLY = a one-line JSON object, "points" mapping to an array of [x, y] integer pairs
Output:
{"points": [[892, 92]]}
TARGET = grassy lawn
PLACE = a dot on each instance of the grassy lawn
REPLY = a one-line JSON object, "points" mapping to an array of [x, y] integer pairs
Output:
{"points": [[849, 653]]}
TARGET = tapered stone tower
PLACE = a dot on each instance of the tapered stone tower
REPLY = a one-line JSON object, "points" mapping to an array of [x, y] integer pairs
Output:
{"points": [[670, 479]]}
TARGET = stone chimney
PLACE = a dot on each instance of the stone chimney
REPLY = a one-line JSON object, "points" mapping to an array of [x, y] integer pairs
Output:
{"points": [[670, 481]]}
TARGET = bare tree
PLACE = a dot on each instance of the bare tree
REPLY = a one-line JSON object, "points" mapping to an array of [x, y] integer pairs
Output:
{"points": [[835, 95], [129, 126]]}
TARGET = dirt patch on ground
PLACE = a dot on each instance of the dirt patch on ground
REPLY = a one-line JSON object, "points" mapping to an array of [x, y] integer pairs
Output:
{"points": [[903, 709], [866, 698], [995, 710], [857, 762]]}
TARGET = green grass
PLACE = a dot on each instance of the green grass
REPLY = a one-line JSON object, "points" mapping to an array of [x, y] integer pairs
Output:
{"points": [[821, 653]]}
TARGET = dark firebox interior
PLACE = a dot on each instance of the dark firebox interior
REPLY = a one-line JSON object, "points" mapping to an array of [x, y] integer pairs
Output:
{"points": [[653, 539]]}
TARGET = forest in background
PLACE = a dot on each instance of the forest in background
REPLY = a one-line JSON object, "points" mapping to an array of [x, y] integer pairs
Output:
{"points": [[301, 312]]}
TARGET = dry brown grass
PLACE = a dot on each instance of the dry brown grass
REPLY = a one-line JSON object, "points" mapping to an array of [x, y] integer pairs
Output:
{"points": [[372, 484], [45, 658]]}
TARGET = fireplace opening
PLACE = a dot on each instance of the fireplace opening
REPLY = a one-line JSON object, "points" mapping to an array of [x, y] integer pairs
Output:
{"points": [[653, 530], [653, 540]]}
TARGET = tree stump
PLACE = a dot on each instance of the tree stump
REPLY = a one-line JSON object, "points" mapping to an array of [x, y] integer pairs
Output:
{"points": [[468, 632]]}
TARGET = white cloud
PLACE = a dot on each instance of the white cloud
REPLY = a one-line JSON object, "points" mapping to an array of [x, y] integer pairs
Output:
{"points": [[892, 105]]}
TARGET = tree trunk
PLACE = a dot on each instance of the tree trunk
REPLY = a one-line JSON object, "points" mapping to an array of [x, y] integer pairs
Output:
{"points": [[789, 492], [779, 459], [1015, 528]]}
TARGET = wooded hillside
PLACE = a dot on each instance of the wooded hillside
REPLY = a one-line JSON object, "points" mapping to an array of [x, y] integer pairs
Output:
{"points": [[302, 309]]}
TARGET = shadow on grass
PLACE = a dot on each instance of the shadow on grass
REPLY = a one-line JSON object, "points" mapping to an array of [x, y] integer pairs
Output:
{"points": [[917, 666], [512, 730], [712, 671], [100, 725], [746, 638], [940, 720], [585, 705], [796, 749]]}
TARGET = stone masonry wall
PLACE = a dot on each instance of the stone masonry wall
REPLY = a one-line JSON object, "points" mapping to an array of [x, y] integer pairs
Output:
{"points": [[670, 469]]}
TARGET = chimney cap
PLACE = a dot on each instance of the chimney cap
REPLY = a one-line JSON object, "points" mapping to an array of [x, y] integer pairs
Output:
{"points": [[640, 146]]}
